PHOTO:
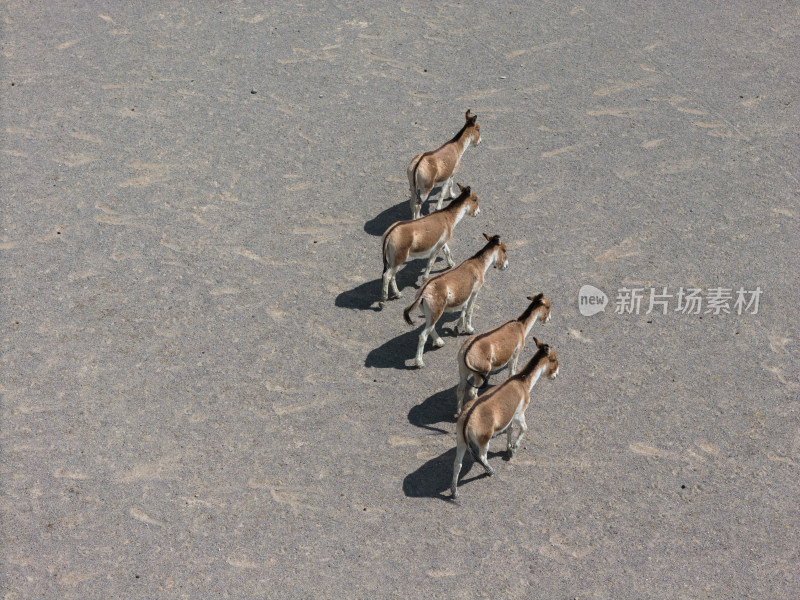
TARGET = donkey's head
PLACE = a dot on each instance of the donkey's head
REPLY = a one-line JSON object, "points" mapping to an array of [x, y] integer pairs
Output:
{"points": [[471, 200], [498, 246], [541, 304], [551, 365], [473, 128]]}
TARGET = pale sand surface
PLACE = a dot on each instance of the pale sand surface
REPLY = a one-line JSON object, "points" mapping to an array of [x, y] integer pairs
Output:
{"points": [[198, 397]]}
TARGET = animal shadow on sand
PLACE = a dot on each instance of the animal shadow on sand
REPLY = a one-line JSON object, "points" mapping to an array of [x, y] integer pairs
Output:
{"points": [[367, 295], [432, 480], [398, 212], [379, 224], [394, 353], [438, 408]]}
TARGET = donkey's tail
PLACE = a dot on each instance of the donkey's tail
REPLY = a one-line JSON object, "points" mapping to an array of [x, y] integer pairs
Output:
{"points": [[414, 305]]}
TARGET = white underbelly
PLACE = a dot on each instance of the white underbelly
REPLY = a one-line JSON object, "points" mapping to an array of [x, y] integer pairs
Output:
{"points": [[420, 254]]}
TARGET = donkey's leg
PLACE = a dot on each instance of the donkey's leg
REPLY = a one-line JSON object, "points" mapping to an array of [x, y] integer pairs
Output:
{"points": [[435, 316], [431, 316], [463, 383], [523, 428], [509, 437], [468, 314], [448, 256], [412, 203], [462, 325], [461, 448], [431, 260], [475, 386], [461, 390], [423, 337], [387, 277], [453, 194], [444, 193], [416, 205], [483, 458], [395, 292], [513, 363]]}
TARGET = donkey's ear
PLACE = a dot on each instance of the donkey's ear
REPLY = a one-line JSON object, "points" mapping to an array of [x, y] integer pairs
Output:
{"points": [[461, 187], [535, 341], [469, 115], [488, 239], [546, 350], [537, 297]]}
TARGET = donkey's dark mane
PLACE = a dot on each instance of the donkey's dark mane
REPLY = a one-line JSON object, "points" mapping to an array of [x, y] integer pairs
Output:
{"points": [[482, 250], [534, 305]]}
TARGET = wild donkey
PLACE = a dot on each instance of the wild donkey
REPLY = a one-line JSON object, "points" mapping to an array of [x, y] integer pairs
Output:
{"points": [[496, 348], [498, 410], [423, 238], [429, 169], [455, 290]]}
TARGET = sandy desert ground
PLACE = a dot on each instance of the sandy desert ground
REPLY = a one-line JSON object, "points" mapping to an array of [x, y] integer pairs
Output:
{"points": [[200, 398]]}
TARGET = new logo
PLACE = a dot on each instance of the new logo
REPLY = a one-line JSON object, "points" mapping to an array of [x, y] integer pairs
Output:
{"points": [[591, 300]]}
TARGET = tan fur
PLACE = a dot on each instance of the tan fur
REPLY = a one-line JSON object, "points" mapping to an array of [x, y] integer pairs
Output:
{"points": [[496, 348], [423, 238], [455, 290], [428, 170], [498, 410]]}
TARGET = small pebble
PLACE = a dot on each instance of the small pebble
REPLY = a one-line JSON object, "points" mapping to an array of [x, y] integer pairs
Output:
{"points": [[503, 77], [253, 92]]}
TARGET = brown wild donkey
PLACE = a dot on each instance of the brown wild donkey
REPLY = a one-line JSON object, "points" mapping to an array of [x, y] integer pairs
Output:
{"points": [[498, 410], [454, 290], [494, 349], [423, 238], [430, 169]]}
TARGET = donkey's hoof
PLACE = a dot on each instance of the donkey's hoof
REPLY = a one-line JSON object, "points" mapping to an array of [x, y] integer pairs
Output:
{"points": [[438, 343], [419, 364]]}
